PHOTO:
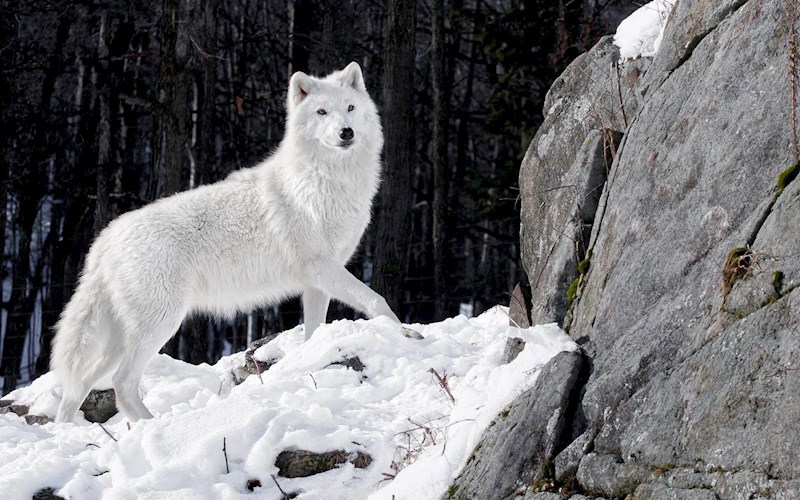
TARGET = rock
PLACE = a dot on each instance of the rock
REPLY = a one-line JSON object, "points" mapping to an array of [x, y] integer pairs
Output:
{"points": [[252, 366], [46, 494], [770, 275], [682, 373], [352, 362], [302, 463], [519, 307], [252, 484], [732, 484], [567, 461], [656, 491], [564, 169], [688, 26], [518, 447], [513, 347], [19, 410], [100, 405], [566, 209], [7, 406], [542, 495], [38, 419], [411, 334], [609, 475], [683, 370]]}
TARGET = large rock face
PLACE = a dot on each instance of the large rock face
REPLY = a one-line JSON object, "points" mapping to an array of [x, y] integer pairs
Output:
{"points": [[688, 309], [565, 167], [679, 378]]}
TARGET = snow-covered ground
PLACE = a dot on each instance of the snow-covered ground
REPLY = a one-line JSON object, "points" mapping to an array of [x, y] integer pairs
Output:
{"points": [[640, 34], [394, 410]]}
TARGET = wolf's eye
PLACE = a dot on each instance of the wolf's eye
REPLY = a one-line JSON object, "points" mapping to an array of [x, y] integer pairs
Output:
{"points": [[321, 111], [350, 108]]}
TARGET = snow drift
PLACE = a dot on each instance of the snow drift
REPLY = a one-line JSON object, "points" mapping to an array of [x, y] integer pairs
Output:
{"points": [[394, 410]]}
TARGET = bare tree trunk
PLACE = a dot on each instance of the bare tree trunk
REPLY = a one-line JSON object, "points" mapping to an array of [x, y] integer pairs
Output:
{"points": [[55, 298], [464, 154], [206, 94], [8, 31], [7, 60], [19, 314], [290, 45], [329, 38], [102, 210], [441, 178], [393, 218], [302, 14], [337, 44], [176, 84]]}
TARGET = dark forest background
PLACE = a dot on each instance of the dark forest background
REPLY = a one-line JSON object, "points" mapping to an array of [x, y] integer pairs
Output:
{"points": [[108, 105]]}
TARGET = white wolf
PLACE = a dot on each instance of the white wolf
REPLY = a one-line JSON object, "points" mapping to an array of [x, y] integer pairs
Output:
{"points": [[284, 227]]}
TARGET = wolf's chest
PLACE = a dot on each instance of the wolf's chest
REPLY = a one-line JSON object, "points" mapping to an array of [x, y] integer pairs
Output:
{"points": [[325, 214], [344, 223], [338, 223]]}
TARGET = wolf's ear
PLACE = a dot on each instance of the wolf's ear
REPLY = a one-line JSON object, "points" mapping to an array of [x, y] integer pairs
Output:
{"points": [[300, 85], [352, 77]]}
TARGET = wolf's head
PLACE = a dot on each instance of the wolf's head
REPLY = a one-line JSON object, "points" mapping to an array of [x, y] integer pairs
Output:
{"points": [[334, 112]]}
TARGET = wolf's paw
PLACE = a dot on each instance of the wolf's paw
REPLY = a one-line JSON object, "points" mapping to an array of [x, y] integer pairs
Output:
{"points": [[412, 334]]}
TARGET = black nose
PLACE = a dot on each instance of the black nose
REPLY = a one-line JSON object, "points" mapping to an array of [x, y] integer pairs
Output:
{"points": [[346, 134]]}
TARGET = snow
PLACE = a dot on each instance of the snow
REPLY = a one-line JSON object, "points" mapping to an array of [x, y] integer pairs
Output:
{"points": [[394, 410], [640, 34]]}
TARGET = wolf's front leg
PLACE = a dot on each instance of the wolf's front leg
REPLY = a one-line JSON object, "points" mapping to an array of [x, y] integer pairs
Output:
{"points": [[315, 309], [336, 281]]}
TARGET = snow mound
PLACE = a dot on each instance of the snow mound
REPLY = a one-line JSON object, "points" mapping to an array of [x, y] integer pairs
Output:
{"points": [[394, 410], [640, 34]]}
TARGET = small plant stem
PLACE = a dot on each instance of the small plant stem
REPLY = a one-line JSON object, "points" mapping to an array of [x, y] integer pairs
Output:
{"points": [[106, 431], [258, 370], [443, 383], [225, 452], [285, 495]]}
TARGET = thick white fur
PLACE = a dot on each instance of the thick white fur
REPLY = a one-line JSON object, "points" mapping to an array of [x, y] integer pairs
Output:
{"points": [[284, 227]]}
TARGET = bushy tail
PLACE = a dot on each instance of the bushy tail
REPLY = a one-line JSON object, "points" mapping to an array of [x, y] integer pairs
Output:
{"points": [[78, 355], [74, 346]]}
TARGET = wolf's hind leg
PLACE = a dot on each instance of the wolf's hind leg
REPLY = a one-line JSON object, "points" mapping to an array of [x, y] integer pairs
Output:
{"points": [[74, 395], [126, 385], [315, 309], [78, 386]]}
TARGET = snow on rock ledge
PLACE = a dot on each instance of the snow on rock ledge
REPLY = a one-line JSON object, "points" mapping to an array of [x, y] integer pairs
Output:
{"points": [[394, 410], [640, 34]]}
